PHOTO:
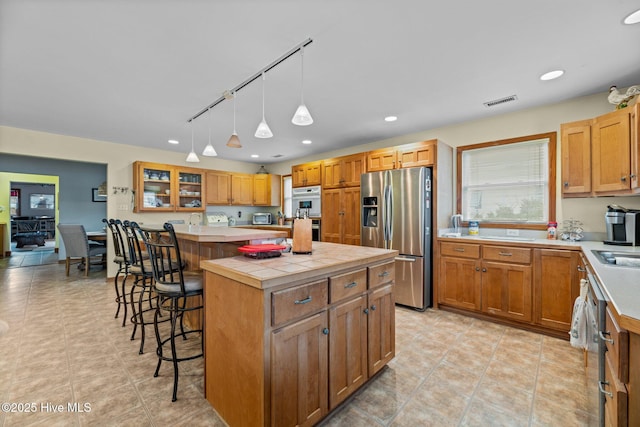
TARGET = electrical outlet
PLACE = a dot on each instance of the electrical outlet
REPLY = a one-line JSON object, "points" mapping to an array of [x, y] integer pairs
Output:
{"points": [[239, 214], [513, 233]]}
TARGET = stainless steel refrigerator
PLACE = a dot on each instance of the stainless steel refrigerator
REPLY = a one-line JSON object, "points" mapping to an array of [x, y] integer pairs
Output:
{"points": [[396, 214]]}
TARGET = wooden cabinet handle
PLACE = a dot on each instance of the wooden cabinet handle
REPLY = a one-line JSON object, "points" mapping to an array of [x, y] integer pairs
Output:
{"points": [[303, 301], [350, 285], [505, 254]]}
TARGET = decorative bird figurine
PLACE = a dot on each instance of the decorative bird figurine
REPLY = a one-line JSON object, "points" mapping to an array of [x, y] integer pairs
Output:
{"points": [[621, 100]]}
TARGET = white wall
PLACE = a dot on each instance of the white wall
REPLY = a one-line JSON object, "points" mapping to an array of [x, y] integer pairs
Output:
{"points": [[526, 122]]}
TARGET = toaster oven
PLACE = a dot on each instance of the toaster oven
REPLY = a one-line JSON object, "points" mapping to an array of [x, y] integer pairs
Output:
{"points": [[261, 218]]}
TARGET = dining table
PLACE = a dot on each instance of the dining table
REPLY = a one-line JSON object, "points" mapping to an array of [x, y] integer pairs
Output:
{"points": [[97, 236]]}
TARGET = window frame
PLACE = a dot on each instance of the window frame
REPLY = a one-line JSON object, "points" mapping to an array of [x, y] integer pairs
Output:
{"points": [[552, 149]]}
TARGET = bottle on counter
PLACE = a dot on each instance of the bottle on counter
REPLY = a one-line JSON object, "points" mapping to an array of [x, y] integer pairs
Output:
{"points": [[552, 229], [474, 228]]}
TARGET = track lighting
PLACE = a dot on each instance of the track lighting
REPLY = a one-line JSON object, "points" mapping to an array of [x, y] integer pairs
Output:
{"points": [[302, 116], [234, 141], [192, 157]]}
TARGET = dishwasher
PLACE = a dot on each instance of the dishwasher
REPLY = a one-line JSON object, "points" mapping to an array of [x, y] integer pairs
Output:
{"points": [[597, 304]]}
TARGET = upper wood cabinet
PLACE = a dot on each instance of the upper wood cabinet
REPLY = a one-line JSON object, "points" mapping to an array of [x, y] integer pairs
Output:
{"points": [[266, 190], [402, 156], [218, 188], [576, 157], [600, 156], [306, 174], [343, 171], [241, 189], [611, 152], [166, 188]]}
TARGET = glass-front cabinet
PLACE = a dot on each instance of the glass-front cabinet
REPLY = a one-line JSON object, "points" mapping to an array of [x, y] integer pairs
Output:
{"points": [[166, 188], [190, 189]]}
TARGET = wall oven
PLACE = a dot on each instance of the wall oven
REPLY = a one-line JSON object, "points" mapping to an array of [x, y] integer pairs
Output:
{"points": [[307, 199]]}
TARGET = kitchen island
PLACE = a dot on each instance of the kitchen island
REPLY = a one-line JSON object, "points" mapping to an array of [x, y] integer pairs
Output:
{"points": [[198, 243], [288, 339]]}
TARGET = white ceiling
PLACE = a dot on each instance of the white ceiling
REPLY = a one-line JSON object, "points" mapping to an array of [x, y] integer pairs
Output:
{"points": [[134, 72]]}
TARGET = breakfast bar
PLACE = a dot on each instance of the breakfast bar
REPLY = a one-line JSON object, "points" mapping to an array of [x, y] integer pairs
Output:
{"points": [[288, 339]]}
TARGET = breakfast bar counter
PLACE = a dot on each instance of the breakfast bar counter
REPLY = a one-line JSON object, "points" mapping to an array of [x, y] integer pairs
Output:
{"points": [[288, 339]]}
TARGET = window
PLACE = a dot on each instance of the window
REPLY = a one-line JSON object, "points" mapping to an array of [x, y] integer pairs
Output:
{"points": [[287, 192], [508, 183]]}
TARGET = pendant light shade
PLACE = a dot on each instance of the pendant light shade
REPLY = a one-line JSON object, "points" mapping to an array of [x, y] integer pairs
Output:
{"points": [[234, 141], [302, 117], [192, 157], [209, 151], [263, 130]]}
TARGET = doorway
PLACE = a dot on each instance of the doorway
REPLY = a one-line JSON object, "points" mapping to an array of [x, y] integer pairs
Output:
{"points": [[29, 210]]}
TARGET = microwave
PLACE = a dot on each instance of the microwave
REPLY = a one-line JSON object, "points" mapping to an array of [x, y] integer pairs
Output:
{"points": [[261, 218]]}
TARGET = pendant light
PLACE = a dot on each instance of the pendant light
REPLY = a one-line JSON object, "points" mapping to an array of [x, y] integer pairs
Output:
{"points": [[192, 157], [234, 141], [209, 151], [263, 130], [302, 117]]}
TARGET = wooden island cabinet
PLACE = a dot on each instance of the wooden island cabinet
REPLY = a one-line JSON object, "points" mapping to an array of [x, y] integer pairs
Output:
{"points": [[288, 339]]}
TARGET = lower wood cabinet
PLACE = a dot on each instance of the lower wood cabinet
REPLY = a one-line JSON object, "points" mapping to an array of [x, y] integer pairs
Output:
{"points": [[530, 286], [556, 287], [299, 367]]}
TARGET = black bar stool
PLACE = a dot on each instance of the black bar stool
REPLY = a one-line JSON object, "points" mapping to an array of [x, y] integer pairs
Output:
{"points": [[173, 286], [120, 258]]}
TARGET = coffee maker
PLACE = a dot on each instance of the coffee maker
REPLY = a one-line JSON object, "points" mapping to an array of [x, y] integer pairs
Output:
{"points": [[623, 226]]}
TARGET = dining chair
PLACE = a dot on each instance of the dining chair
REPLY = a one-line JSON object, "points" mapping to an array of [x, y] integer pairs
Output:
{"points": [[173, 286], [77, 247]]}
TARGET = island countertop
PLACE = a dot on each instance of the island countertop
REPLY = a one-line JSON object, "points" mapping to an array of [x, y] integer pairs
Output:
{"points": [[203, 233], [325, 258]]}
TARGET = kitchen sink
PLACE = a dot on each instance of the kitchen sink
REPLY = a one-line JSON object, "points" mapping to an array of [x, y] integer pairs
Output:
{"points": [[623, 259]]}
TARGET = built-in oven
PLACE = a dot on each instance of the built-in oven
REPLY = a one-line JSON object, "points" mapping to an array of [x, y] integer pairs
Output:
{"points": [[315, 230], [307, 200], [597, 306]]}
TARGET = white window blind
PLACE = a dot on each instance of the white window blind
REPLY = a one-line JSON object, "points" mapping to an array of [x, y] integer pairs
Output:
{"points": [[288, 192], [507, 183]]}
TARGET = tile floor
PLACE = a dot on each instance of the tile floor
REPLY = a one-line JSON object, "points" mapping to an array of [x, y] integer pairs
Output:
{"points": [[65, 346], [30, 255]]}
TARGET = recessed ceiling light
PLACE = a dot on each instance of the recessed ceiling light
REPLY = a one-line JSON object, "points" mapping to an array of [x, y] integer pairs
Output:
{"points": [[390, 119], [173, 141], [552, 75], [255, 156], [306, 141], [634, 18]]}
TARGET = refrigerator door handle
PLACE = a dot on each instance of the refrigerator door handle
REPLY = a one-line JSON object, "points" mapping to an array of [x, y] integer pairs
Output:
{"points": [[385, 216], [390, 214], [404, 258]]}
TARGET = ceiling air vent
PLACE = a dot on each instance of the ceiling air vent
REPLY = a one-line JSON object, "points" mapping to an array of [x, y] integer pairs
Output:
{"points": [[500, 101], [276, 155]]}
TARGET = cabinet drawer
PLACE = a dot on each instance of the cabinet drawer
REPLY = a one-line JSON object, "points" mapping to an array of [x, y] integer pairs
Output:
{"points": [[617, 342], [616, 398], [381, 274], [461, 250], [506, 254], [296, 302], [348, 284]]}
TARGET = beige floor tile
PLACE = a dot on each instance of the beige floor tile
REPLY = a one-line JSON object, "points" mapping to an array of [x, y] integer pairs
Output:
{"points": [[65, 345]]}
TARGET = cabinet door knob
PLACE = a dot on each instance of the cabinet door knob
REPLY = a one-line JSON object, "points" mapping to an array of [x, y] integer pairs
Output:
{"points": [[325, 331], [373, 307], [365, 311], [623, 178], [632, 176], [566, 184], [477, 268], [484, 270]]}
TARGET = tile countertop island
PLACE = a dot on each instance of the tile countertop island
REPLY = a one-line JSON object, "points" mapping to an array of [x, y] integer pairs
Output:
{"points": [[206, 234], [620, 284], [287, 339]]}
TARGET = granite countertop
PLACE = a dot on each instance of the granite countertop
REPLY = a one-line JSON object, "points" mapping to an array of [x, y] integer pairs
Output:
{"points": [[203, 233], [621, 285], [325, 259]]}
